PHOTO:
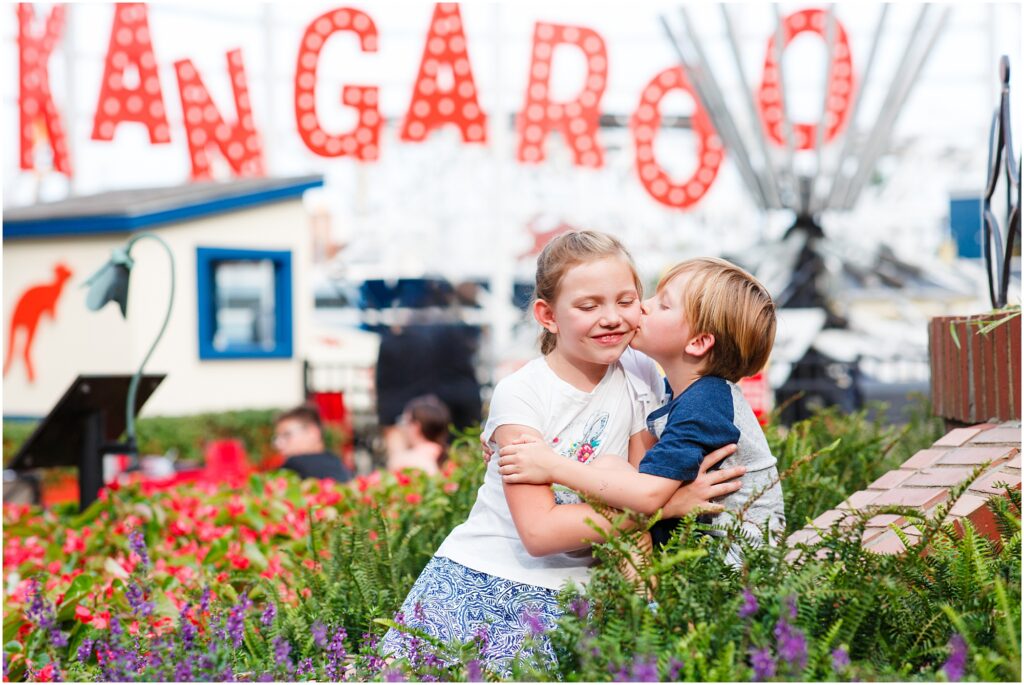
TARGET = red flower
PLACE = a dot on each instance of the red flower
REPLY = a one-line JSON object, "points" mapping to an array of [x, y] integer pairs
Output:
{"points": [[372, 535], [83, 614], [402, 478], [239, 561], [101, 620], [45, 674], [222, 577], [413, 498]]}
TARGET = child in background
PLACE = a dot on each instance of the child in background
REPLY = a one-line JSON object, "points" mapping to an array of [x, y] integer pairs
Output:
{"points": [[424, 428], [709, 324]]}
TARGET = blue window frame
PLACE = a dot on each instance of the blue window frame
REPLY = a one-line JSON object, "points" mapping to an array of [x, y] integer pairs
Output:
{"points": [[245, 303]]}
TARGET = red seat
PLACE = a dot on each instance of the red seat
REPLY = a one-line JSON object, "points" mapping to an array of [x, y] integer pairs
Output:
{"points": [[225, 460]]}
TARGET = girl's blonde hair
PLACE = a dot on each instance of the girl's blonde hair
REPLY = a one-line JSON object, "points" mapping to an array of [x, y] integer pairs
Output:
{"points": [[566, 251]]}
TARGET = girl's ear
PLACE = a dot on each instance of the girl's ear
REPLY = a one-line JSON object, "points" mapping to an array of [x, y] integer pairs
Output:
{"points": [[700, 345], [544, 313]]}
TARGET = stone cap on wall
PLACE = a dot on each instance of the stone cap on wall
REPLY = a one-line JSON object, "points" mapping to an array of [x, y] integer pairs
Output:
{"points": [[925, 481]]}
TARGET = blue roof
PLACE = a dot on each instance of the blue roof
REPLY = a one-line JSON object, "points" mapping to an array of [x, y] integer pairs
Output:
{"points": [[122, 211]]}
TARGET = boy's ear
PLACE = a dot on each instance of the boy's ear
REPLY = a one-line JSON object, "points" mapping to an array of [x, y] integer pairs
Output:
{"points": [[545, 316], [700, 345]]}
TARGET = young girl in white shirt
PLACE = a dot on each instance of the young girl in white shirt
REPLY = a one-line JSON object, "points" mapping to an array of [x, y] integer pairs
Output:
{"points": [[503, 566]]}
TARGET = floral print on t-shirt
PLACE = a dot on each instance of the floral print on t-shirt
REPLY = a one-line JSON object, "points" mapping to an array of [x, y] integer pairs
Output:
{"points": [[582, 450]]}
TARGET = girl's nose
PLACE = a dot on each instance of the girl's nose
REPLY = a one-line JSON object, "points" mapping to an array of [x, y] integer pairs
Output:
{"points": [[611, 318], [645, 306]]}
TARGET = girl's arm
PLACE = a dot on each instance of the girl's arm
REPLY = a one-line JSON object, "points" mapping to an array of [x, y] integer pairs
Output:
{"points": [[543, 526]]}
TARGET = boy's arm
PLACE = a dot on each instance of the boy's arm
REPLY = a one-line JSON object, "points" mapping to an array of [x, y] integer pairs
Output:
{"points": [[535, 462]]}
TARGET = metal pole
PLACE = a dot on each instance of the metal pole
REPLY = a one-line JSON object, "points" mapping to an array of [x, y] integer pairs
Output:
{"points": [[899, 76], [874, 152], [707, 92], [772, 184], [787, 127], [839, 179], [819, 131], [70, 103]]}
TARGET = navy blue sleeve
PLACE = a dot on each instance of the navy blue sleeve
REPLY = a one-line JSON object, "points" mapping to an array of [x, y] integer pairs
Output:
{"points": [[700, 422]]}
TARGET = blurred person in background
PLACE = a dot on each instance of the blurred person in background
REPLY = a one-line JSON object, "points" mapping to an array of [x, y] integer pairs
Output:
{"points": [[299, 437], [424, 427]]}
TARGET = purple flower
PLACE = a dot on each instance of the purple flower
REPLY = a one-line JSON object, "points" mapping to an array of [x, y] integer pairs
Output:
{"points": [[368, 648], [319, 631], [645, 670], [532, 621], [749, 606], [183, 671], [620, 674], [482, 638], [337, 645], [282, 648], [580, 607], [137, 600], [763, 663], [791, 605], [474, 672], [186, 629], [85, 651], [204, 601], [137, 543], [305, 667], [674, 667], [268, 614], [393, 675], [956, 664], [840, 659], [791, 643], [266, 678], [234, 627], [417, 612]]}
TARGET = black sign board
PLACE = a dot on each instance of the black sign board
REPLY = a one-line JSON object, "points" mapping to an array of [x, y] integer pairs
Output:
{"points": [[82, 427]]}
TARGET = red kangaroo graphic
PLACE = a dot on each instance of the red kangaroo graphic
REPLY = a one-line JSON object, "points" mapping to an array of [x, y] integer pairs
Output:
{"points": [[33, 303]]}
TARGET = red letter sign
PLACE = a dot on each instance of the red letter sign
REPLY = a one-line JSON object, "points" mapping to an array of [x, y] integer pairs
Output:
{"points": [[840, 82], [35, 101], [361, 142], [431, 107], [130, 90], [239, 143], [577, 120], [644, 125]]}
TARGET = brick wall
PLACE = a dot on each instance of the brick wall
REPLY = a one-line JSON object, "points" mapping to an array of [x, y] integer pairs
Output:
{"points": [[924, 482]]}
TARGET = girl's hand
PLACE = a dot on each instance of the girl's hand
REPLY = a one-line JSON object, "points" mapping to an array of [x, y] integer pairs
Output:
{"points": [[528, 460], [697, 495]]}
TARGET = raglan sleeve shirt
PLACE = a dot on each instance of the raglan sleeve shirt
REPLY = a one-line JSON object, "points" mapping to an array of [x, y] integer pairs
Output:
{"points": [[699, 422]]}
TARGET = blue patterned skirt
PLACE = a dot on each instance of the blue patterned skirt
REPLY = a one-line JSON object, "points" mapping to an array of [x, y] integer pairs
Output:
{"points": [[454, 603]]}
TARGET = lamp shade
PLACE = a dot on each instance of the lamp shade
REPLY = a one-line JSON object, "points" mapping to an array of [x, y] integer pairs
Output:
{"points": [[110, 283]]}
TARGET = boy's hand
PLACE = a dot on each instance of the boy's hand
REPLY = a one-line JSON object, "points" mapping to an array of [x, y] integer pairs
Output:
{"points": [[486, 448], [528, 460], [697, 495]]}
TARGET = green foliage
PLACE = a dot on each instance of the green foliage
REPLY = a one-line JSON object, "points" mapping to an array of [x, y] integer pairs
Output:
{"points": [[868, 448]]}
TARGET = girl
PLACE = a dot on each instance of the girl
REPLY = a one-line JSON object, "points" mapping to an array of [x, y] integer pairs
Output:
{"points": [[520, 544], [424, 427]]}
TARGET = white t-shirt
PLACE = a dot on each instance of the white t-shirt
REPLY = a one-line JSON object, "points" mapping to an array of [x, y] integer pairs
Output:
{"points": [[579, 425]]}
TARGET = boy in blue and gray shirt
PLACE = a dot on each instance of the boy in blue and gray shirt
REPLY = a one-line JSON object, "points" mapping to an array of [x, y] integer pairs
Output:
{"points": [[709, 324]]}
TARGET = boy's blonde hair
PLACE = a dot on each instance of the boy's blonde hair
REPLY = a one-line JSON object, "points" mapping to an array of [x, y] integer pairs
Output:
{"points": [[566, 251], [724, 300]]}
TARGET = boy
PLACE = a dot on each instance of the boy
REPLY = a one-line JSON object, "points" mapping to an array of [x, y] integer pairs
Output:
{"points": [[299, 437], [709, 324]]}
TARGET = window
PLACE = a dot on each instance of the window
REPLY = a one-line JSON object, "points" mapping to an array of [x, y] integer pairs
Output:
{"points": [[245, 303]]}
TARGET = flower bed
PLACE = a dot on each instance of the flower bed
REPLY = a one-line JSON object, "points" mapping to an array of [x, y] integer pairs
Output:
{"points": [[285, 580]]}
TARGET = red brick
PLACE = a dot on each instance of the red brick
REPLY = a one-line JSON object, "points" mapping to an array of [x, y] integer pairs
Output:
{"points": [[938, 477], [887, 543], [828, 518], [934, 355], [806, 535], [891, 479], [1002, 434], [923, 458], [967, 505], [859, 499], [965, 410], [885, 520], [986, 483], [1014, 373], [975, 456], [957, 436], [1003, 369], [921, 498]]}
